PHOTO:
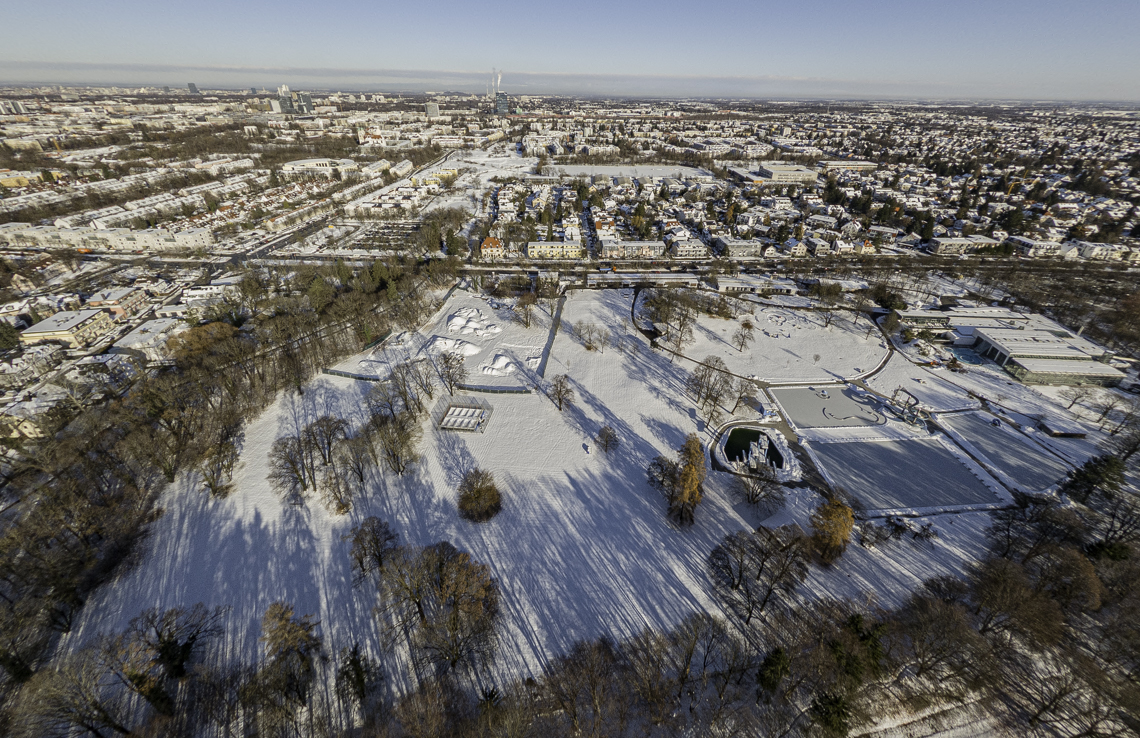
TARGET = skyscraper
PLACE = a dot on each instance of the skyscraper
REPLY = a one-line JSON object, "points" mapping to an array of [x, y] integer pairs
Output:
{"points": [[432, 110], [502, 104], [193, 88]]}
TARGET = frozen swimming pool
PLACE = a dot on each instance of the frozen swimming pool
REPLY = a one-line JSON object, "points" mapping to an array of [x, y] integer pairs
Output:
{"points": [[1031, 468], [892, 475], [834, 406]]}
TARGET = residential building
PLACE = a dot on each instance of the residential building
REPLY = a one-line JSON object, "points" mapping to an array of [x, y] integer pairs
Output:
{"points": [[76, 328], [555, 250], [148, 341], [689, 249], [614, 249], [491, 249], [121, 303], [328, 167]]}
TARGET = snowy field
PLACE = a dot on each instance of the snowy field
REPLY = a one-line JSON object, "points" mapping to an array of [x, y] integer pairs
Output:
{"points": [[498, 351], [828, 407], [903, 475], [1030, 468], [582, 547], [791, 346], [934, 393]]}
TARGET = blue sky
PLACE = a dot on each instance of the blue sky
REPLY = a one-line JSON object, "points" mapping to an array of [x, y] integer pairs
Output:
{"points": [[1045, 49]]}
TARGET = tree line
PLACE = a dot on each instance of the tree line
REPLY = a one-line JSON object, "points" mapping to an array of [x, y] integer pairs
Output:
{"points": [[77, 503]]}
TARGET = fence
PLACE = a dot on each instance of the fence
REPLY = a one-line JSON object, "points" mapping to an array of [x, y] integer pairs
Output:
{"points": [[464, 414], [495, 390], [350, 375]]}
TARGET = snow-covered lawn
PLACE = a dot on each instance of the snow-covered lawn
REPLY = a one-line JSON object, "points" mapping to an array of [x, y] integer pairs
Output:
{"points": [[582, 547], [787, 344], [498, 351], [932, 391]]}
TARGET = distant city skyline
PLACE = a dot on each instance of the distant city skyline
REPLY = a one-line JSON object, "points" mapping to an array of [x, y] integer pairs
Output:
{"points": [[958, 49]]}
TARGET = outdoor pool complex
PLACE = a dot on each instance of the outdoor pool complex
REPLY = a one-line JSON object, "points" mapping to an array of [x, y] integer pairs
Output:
{"points": [[967, 356]]}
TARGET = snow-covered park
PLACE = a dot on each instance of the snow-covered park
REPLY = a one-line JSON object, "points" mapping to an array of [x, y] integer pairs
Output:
{"points": [[582, 546], [792, 346]]}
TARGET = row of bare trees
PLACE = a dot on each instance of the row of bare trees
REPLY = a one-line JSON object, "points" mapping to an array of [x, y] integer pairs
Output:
{"points": [[1037, 635], [328, 456], [713, 387]]}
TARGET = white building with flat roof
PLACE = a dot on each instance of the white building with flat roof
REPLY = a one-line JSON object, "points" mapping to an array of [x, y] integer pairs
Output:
{"points": [[76, 328]]}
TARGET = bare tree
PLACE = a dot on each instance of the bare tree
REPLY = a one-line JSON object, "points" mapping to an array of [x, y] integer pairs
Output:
{"points": [[479, 497], [383, 401], [397, 438], [289, 467], [561, 391], [446, 600], [452, 370], [607, 439], [222, 445], [336, 488], [761, 488], [358, 677], [1076, 394], [357, 456], [173, 637], [524, 309], [323, 434], [1128, 420], [422, 376], [1005, 602], [373, 544], [592, 337], [681, 331], [291, 650], [1108, 402], [75, 692], [404, 380], [709, 384], [743, 335], [743, 390]]}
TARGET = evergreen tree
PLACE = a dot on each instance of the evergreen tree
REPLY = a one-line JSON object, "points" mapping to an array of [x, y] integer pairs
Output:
{"points": [[1100, 473]]}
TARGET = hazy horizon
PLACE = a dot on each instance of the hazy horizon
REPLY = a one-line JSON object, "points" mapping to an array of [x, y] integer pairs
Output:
{"points": [[1047, 50]]}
